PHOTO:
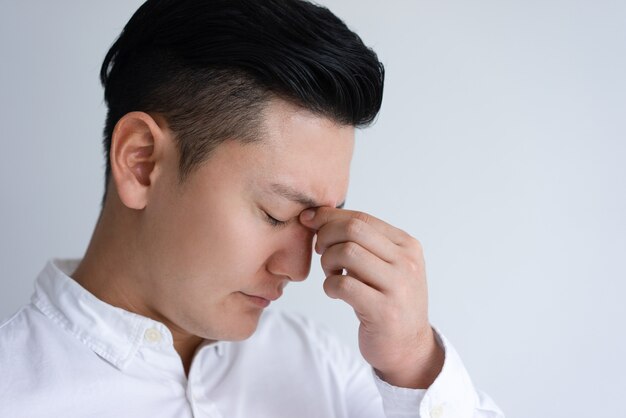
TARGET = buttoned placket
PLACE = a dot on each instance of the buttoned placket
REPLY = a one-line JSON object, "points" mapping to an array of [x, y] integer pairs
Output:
{"points": [[201, 405], [158, 349]]}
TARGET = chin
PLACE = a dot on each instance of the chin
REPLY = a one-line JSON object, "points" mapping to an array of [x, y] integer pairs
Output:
{"points": [[243, 336], [240, 329]]}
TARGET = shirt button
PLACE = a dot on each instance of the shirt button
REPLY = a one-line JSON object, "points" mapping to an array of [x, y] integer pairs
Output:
{"points": [[436, 412], [152, 335]]}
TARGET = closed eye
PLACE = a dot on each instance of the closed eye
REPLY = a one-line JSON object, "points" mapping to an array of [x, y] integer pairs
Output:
{"points": [[275, 222]]}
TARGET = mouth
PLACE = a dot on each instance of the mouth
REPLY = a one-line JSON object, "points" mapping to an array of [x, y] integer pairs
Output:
{"points": [[262, 301]]}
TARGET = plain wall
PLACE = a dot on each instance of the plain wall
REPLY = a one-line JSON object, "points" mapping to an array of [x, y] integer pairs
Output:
{"points": [[500, 146]]}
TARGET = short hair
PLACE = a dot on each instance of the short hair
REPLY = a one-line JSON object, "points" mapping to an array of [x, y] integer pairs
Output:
{"points": [[209, 67]]}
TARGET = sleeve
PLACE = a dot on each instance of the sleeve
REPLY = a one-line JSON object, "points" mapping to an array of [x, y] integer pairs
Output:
{"points": [[365, 395], [452, 394]]}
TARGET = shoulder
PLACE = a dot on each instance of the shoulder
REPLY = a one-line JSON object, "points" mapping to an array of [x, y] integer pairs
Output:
{"points": [[21, 333], [17, 328], [29, 326], [29, 340], [20, 342]]}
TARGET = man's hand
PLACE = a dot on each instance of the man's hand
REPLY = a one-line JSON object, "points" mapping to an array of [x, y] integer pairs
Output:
{"points": [[385, 283]]}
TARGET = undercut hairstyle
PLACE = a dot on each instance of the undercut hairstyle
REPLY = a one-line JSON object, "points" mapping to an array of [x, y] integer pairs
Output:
{"points": [[209, 67]]}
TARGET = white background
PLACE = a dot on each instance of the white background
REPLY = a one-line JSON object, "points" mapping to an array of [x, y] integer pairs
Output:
{"points": [[500, 146]]}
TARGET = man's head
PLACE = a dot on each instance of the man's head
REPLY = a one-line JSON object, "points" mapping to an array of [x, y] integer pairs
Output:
{"points": [[224, 116], [210, 67]]}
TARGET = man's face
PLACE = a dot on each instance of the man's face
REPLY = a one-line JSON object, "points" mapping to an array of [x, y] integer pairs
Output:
{"points": [[211, 243]]}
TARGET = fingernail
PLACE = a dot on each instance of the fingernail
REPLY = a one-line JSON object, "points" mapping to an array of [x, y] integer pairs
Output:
{"points": [[308, 214]]}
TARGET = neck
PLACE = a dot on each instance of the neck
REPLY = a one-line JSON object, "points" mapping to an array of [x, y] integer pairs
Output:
{"points": [[111, 271]]}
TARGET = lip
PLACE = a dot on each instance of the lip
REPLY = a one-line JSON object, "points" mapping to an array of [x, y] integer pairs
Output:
{"points": [[263, 301]]}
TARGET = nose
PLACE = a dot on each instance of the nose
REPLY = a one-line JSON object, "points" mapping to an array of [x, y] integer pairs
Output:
{"points": [[292, 257]]}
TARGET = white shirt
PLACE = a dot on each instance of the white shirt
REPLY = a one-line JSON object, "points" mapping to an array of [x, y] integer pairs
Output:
{"points": [[69, 354]]}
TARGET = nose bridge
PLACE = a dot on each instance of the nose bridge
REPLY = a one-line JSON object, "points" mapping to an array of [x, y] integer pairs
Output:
{"points": [[293, 257]]}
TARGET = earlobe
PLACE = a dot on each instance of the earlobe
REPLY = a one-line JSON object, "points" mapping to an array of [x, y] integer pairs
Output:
{"points": [[135, 146]]}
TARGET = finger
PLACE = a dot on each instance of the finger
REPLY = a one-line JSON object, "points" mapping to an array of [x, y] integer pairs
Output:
{"points": [[324, 214], [358, 231], [354, 292], [359, 263]]}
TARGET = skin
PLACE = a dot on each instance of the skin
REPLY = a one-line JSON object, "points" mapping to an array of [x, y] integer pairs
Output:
{"points": [[188, 255]]}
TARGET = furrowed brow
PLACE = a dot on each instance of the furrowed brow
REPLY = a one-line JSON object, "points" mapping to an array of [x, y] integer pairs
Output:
{"points": [[294, 195]]}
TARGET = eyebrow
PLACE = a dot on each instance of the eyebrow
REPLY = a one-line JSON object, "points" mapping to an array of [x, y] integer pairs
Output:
{"points": [[294, 195]]}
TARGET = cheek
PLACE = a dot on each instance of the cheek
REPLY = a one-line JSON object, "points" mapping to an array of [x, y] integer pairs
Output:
{"points": [[222, 247]]}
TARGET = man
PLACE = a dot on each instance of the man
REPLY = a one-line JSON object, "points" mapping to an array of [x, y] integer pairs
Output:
{"points": [[228, 141]]}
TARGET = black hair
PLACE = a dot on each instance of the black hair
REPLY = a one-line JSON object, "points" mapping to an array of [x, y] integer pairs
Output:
{"points": [[210, 66]]}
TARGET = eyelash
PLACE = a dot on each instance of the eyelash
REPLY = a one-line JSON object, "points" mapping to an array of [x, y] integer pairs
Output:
{"points": [[275, 222]]}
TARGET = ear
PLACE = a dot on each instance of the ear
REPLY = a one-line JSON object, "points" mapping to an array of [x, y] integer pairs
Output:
{"points": [[136, 154]]}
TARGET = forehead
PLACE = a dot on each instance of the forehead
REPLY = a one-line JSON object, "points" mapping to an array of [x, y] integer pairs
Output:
{"points": [[303, 151]]}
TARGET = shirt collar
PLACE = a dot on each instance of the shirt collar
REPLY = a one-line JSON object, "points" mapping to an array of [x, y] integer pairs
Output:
{"points": [[111, 332]]}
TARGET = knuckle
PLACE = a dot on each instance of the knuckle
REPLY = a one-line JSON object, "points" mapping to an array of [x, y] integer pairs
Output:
{"points": [[407, 239], [336, 286], [411, 243], [363, 217], [350, 250], [325, 259], [354, 228], [345, 284], [411, 264], [417, 245]]}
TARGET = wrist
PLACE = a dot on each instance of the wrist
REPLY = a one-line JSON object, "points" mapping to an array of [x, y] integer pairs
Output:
{"points": [[421, 370]]}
